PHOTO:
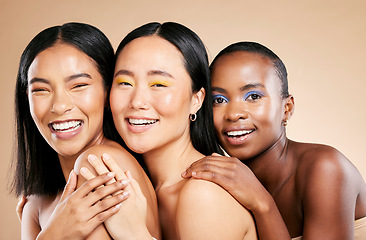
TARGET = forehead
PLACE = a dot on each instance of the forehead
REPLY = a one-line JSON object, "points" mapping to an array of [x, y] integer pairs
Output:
{"points": [[63, 58], [244, 68], [152, 51]]}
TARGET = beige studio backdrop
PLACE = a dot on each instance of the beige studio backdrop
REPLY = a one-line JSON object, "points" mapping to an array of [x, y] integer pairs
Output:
{"points": [[321, 42]]}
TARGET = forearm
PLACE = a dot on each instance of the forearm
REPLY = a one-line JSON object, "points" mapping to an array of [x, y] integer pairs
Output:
{"points": [[269, 222]]}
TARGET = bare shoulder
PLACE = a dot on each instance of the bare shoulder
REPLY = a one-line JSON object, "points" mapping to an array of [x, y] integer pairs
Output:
{"points": [[319, 163], [207, 211], [123, 158], [35, 209], [32, 207]]}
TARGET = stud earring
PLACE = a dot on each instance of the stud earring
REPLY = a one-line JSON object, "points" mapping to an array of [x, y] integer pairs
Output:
{"points": [[193, 117]]}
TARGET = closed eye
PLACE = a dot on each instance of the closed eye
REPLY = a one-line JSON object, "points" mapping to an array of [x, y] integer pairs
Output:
{"points": [[80, 85], [38, 90]]}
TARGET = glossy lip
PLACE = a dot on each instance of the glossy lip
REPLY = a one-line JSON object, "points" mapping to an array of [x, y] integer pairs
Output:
{"points": [[140, 128], [237, 140], [69, 134]]}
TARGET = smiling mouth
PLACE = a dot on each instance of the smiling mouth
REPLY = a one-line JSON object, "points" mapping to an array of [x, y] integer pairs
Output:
{"points": [[66, 126], [141, 122], [238, 134]]}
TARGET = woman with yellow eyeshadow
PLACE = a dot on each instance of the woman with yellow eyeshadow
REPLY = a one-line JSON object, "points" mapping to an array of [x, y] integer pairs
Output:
{"points": [[159, 107]]}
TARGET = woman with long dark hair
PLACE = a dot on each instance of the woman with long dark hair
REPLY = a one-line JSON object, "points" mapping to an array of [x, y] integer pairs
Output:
{"points": [[159, 106], [64, 77]]}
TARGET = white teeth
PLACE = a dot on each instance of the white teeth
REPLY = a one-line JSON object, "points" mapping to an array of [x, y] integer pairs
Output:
{"points": [[66, 126], [238, 133], [135, 121]]}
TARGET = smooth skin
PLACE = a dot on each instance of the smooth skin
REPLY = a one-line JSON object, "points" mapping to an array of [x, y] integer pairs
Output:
{"points": [[153, 119], [67, 99], [316, 190]]}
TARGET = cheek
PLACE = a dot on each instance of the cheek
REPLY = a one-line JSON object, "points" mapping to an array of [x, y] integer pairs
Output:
{"points": [[91, 102], [218, 116], [169, 103], [38, 108], [118, 101]]}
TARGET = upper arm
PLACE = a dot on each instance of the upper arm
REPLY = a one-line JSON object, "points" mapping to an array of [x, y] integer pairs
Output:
{"points": [[206, 211], [30, 227], [329, 198]]}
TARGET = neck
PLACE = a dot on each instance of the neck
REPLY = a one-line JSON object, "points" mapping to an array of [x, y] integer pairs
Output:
{"points": [[272, 167], [167, 163]]}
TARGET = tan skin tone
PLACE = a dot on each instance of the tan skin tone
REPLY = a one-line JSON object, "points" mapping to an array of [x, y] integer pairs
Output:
{"points": [[155, 84], [67, 91], [316, 190]]}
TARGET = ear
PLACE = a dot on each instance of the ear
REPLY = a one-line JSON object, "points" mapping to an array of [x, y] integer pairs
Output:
{"points": [[289, 107], [197, 100]]}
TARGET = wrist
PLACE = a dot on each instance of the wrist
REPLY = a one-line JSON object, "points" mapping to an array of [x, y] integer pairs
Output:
{"points": [[264, 205]]}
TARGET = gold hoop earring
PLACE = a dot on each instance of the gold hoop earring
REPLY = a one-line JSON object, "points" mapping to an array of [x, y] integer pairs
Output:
{"points": [[193, 117]]}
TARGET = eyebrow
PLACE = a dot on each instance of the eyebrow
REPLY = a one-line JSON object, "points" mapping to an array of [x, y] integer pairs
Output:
{"points": [[243, 88], [79, 75], [42, 80], [251, 85], [124, 72], [149, 73], [160, 72], [72, 77]]}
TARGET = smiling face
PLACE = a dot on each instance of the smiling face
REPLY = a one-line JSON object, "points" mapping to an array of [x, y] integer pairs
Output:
{"points": [[66, 99], [151, 96], [248, 107]]}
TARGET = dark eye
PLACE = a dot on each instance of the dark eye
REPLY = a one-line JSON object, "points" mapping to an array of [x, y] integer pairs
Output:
{"points": [[219, 99], [253, 96]]}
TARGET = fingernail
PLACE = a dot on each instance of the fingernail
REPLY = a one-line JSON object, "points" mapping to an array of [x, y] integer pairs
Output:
{"points": [[110, 174], [125, 181], [126, 193], [184, 173], [194, 173], [83, 170], [91, 157], [106, 156], [118, 206]]}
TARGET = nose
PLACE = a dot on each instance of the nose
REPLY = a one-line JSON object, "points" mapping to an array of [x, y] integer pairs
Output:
{"points": [[235, 111], [139, 98], [62, 102]]}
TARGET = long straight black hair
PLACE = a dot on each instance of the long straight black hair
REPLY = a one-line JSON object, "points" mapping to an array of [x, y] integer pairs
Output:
{"points": [[37, 167], [196, 63]]}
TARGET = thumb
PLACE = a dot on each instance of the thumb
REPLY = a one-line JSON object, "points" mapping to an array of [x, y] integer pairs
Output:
{"points": [[216, 154], [70, 186]]}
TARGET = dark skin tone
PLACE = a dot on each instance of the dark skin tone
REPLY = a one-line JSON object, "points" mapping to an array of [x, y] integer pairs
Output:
{"points": [[293, 189]]}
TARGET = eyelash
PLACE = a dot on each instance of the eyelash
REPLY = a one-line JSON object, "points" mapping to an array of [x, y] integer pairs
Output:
{"points": [[38, 90], [80, 85], [219, 97], [258, 95]]}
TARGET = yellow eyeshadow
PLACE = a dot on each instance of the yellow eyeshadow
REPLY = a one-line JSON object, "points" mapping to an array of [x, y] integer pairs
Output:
{"points": [[161, 82], [120, 80]]}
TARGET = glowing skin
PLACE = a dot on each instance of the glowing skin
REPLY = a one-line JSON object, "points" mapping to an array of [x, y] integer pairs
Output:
{"points": [[66, 97], [249, 110], [150, 85]]}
